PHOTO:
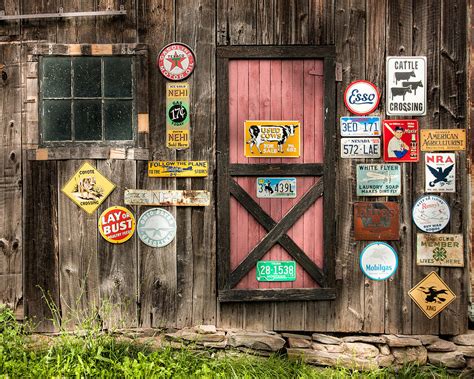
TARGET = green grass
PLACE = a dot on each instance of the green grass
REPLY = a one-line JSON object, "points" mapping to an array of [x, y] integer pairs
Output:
{"points": [[98, 355]]}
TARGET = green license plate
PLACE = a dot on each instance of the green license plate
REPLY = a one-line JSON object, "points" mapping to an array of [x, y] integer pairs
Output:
{"points": [[276, 271]]}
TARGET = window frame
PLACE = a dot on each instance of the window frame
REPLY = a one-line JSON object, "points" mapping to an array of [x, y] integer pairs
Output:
{"points": [[75, 142], [226, 290]]}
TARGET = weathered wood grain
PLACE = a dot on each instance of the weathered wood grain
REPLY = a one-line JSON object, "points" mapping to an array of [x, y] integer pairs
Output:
{"points": [[78, 262], [11, 241], [117, 263]]}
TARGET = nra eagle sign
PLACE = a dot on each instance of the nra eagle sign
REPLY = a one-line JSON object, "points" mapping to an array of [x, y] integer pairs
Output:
{"points": [[406, 86], [440, 172], [361, 97]]}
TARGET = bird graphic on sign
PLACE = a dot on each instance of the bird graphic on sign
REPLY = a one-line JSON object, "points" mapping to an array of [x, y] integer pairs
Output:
{"points": [[433, 294], [157, 231], [440, 175]]}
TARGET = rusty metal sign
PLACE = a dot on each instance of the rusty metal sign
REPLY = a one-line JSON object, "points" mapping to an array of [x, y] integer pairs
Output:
{"points": [[272, 139], [432, 295], [445, 250], [443, 139], [177, 115], [88, 188], [376, 221], [186, 198], [183, 169]]}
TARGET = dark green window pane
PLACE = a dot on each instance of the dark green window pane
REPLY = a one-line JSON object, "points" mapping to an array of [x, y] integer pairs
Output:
{"points": [[87, 120], [118, 120], [56, 120], [87, 72], [118, 77], [56, 77]]}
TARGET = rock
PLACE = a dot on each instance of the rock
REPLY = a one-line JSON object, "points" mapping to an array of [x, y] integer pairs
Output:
{"points": [[415, 354], [470, 363], [256, 340], [467, 374], [426, 339], [205, 329], [385, 360], [467, 351], [261, 353], [329, 348], [399, 341], [452, 359], [441, 345], [322, 358], [299, 343], [294, 335], [366, 339], [384, 350], [190, 335], [216, 345], [464, 339], [325, 339], [360, 350]]}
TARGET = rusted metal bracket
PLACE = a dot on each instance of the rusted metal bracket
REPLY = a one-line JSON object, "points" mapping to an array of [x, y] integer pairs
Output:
{"points": [[62, 14]]}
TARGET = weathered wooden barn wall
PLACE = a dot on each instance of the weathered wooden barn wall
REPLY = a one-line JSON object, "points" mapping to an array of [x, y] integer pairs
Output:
{"points": [[133, 285]]}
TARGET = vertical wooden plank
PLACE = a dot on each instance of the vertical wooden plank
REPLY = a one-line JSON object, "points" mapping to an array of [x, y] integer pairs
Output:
{"points": [[291, 21], [109, 28], [265, 22], [77, 29], [40, 220], [11, 245], [426, 42], [117, 263], [11, 28], [242, 22], [453, 114], [78, 263], [321, 22], [157, 267], [39, 29], [398, 306], [375, 73], [349, 304]]}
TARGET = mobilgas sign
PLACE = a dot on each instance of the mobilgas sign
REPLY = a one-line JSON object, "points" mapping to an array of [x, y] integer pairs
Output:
{"points": [[406, 86], [378, 261], [361, 97]]}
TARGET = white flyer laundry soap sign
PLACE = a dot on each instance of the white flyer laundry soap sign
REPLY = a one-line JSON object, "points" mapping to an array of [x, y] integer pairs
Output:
{"points": [[440, 172], [406, 86]]}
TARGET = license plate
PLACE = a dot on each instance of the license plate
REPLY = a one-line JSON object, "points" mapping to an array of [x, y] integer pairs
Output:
{"points": [[276, 271], [276, 187], [360, 127], [360, 147]]}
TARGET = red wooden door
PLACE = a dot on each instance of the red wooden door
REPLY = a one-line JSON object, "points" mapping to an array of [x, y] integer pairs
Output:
{"points": [[250, 229]]}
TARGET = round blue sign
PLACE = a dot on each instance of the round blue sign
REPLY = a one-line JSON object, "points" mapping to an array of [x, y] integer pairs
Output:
{"points": [[378, 261]]}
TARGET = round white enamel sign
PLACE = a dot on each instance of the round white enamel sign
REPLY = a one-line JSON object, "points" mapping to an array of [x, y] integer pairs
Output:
{"points": [[361, 97], [378, 261], [156, 227], [431, 213]]}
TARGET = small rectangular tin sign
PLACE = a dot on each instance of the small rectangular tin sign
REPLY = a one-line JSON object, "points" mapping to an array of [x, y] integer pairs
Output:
{"points": [[276, 271], [177, 115], [378, 180], [439, 250], [276, 187], [360, 147], [376, 221], [440, 172], [406, 86], [187, 198], [177, 168], [400, 141], [272, 139], [443, 139], [360, 127]]}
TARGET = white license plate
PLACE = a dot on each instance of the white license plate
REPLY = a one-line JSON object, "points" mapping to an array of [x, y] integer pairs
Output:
{"points": [[360, 147], [276, 187], [360, 127]]}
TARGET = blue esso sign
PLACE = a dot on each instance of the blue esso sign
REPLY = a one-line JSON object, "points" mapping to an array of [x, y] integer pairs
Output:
{"points": [[378, 261], [361, 97]]}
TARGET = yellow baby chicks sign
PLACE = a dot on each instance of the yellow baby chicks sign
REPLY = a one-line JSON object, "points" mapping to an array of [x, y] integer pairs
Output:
{"points": [[272, 139], [88, 188]]}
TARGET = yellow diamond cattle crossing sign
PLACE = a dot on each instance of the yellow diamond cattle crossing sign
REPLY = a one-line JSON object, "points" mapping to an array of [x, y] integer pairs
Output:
{"points": [[432, 295], [88, 188]]}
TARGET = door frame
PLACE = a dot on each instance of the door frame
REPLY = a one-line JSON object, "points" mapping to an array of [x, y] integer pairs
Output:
{"points": [[226, 186]]}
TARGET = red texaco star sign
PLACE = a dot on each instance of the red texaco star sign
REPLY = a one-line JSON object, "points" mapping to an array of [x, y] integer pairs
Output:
{"points": [[176, 61]]}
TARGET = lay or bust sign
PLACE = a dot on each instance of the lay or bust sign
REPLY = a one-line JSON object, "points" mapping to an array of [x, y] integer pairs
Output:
{"points": [[116, 224], [361, 97]]}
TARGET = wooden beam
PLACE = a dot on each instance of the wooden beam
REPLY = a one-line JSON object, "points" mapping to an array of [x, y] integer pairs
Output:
{"points": [[278, 52], [277, 169], [285, 241], [274, 235], [279, 294]]}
